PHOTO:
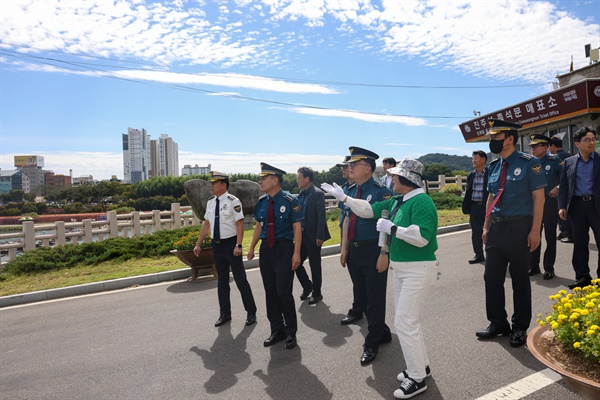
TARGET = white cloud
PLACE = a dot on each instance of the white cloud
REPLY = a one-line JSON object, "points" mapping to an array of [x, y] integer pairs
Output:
{"points": [[363, 116]]}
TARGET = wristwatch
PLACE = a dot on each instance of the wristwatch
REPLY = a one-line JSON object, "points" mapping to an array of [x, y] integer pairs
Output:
{"points": [[394, 229], [385, 253], [239, 245]]}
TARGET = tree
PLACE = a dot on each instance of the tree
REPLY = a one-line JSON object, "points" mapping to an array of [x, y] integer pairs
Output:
{"points": [[432, 171]]}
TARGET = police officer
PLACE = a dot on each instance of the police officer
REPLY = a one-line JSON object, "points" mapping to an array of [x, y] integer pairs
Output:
{"points": [[551, 168], [511, 231], [224, 220], [278, 218], [360, 251]]}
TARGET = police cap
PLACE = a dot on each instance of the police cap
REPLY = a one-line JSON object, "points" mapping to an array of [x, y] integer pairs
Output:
{"points": [[266, 169], [357, 153], [218, 176], [498, 125], [343, 163], [539, 139]]}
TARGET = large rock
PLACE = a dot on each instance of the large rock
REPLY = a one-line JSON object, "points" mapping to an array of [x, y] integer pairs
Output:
{"points": [[198, 192]]}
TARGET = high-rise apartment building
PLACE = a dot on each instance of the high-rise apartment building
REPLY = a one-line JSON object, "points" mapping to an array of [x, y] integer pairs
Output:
{"points": [[136, 155], [169, 156], [188, 170], [154, 158], [33, 167]]}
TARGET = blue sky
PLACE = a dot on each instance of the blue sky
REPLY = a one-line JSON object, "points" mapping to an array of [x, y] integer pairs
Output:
{"points": [[288, 82]]}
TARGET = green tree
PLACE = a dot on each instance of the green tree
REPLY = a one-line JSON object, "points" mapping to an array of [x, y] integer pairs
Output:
{"points": [[433, 170]]}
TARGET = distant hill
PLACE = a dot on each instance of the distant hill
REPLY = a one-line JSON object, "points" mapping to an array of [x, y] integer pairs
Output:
{"points": [[451, 161]]}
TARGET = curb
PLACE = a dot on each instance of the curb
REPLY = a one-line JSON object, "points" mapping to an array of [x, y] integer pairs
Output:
{"points": [[122, 283]]}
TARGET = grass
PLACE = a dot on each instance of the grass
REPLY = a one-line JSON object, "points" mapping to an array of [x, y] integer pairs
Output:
{"points": [[16, 284]]}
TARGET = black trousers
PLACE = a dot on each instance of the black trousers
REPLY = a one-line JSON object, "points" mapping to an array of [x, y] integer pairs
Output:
{"points": [[507, 247], [549, 223], [278, 277], [362, 261], [310, 250], [476, 219], [224, 258], [583, 217]]}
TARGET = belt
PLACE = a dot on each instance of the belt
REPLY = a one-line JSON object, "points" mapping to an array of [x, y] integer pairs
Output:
{"points": [[583, 198], [224, 240], [476, 202], [508, 219], [359, 243]]}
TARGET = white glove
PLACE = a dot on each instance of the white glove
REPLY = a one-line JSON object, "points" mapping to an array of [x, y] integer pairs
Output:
{"points": [[335, 190], [384, 225]]}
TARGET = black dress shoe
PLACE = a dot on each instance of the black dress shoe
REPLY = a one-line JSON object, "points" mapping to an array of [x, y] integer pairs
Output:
{"points": [[350, 319], [477, 260], [561, 235], [290, 342], [581, 282], [567, 240], [548, 275], [274, 338], [223, 319], [368, 356], [315, 299], [518, 337], [306, 293], [250, 319], [534, 271], [492, 331]]}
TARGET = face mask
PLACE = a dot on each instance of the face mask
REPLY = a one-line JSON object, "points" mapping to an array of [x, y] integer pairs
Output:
{"points": [[496, 146]]}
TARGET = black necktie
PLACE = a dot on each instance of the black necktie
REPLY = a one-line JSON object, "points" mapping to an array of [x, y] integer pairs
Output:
{"points": [[217, 223]]}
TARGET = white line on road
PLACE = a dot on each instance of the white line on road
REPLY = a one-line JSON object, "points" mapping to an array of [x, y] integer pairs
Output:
{"points": [[524, 387]]}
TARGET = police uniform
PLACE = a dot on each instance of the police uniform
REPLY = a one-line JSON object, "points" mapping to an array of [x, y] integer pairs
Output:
{"points": [[230, 211], [369, 285], [506, 242], [551, 169], [276, 262]]}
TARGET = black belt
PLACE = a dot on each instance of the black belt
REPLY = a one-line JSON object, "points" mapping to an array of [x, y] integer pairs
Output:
{"points": [[224, 240], [583, 198], [509, 219], [476, 202], [359, 243]]}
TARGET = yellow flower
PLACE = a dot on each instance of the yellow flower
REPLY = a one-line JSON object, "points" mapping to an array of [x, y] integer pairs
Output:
{"points": [[542, 323], [576, 324], [576, 345], [590, 304], [562, 317], [584, 312], [564, 300], [591, 331], [554, 325], [549, 318], [562, 292], [573, 317]]}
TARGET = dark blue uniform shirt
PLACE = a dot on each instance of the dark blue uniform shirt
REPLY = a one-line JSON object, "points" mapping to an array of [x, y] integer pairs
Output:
{"points": [[341, 204], [524, 176], [287, 211], [552, 166], [372, 191]]}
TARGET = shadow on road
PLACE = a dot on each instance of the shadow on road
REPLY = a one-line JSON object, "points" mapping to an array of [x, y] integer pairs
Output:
{"points": [[320, 318]]}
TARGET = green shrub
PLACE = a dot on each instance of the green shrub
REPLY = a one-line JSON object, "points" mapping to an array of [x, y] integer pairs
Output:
{"points": [[446, 201], [333, 214], [452, 188], [119, 249]]}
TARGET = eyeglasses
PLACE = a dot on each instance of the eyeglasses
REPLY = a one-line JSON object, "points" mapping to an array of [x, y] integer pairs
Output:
{"points": [[354, 164], [535, 146], [589, 140]]}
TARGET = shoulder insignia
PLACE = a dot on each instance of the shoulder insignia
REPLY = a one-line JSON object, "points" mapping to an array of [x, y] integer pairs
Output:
{"points": [[527, 156], [212, 197], [264, 196], [552, 157], [237, 208], [562, 162], [381, 185], [296, 208], [495, 161], [288, 197], [351, 186], [386, 196], [537, 169], [230, 197]]}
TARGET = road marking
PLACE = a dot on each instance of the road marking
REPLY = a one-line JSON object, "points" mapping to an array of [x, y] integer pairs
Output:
{"points": [[524, 387]]}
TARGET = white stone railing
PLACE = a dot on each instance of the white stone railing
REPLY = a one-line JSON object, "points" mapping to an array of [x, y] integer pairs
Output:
{"points": [[125, 225]]}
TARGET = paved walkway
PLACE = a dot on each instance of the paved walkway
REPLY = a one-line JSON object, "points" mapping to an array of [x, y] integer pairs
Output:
{"points": [[159, 341]]}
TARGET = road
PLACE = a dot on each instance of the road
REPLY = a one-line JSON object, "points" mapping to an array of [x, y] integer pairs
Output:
{"points": [[159, 342]]}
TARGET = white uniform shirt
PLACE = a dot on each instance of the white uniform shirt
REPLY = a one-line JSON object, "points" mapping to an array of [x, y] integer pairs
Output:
{"points": [[230, 211]]}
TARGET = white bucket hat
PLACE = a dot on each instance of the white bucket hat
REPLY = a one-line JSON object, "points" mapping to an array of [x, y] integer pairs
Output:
{"points": [[411, 169]]}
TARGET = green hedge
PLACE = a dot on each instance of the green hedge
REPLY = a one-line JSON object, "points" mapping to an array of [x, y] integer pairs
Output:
{"points": [[119, 249], [446, 201]]}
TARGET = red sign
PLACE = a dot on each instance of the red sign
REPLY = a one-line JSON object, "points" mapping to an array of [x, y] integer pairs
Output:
{"points": [[576, 99]]}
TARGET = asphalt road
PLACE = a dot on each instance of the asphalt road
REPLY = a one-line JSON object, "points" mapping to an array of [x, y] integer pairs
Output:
{"points": [[159, 342]]}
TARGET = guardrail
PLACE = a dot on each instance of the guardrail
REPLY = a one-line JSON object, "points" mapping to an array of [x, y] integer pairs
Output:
{"points": [[88, 230]]}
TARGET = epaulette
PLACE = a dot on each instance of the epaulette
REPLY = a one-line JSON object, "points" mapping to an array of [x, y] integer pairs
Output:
{"points": [[496, 160], [288, 197], [381, 185], [344, 185], [230, 197], [351, 186], [212, 197], [553, 157], [264, 196], [527, 156]]}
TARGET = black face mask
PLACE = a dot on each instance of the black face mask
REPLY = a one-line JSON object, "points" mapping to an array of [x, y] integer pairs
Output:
{"points": [[496, 146]]}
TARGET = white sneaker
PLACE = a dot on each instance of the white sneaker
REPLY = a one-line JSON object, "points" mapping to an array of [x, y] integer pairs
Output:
{"points": [[402, 376], [410, 388]]}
